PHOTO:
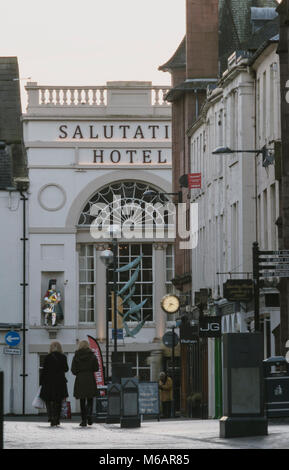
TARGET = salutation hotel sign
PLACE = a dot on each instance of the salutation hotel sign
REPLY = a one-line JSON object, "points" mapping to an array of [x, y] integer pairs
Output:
{"points": [[125, 143]]}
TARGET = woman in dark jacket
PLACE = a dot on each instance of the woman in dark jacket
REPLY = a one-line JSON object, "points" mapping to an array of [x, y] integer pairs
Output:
{"points": [[84, 365], [53, 382]]}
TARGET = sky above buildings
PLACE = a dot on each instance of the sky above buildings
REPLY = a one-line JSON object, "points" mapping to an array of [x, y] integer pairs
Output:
{"points": [[89, 42]]}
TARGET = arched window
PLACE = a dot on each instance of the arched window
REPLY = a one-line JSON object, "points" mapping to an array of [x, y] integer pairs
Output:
{"points": [[124, 201]]}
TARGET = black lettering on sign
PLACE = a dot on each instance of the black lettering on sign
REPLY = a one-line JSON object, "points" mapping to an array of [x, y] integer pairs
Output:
{"points": [[62, 129], [117, 152], [139, 132], [130, 153], [105, 132], [167, 132], [160, 157], [153, 130], [146, 156], [124, 128], [95, 156], [77, 133], [91, 133]]}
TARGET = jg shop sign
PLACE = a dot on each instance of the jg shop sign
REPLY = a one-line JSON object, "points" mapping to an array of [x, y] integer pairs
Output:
{"points": [[210, 327]]}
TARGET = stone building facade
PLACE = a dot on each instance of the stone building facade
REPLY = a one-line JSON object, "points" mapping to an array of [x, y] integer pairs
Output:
{"points": [[86, 146], [239, 200]]}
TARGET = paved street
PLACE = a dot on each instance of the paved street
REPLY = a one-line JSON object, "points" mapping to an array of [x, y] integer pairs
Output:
{"points": [[35, 433]]}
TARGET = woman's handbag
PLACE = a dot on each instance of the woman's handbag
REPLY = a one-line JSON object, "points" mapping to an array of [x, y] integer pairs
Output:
{"points": [[38, 402], [65, 410]]}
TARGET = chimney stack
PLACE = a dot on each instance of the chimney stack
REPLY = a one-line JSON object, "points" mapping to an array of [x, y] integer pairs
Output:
{"points": [[202, 38]]}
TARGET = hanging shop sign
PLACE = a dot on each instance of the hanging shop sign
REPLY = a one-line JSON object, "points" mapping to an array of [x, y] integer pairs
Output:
{"points": [[195, 180], [239, 290], [191, 181], [210, 327], [188, 333]]}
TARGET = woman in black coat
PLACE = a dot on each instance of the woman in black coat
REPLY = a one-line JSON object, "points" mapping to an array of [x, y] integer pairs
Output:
{"points": [[53, 382], [84, 365]]}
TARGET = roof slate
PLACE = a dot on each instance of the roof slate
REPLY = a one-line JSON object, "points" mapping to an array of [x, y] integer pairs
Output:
{"points": [[13, 162], [178, 60], [236, 25], [6, 178], [270, 30]]}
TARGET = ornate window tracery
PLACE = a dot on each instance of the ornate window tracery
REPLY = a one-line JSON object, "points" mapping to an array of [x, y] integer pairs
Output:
{"points": [[123, 202]]}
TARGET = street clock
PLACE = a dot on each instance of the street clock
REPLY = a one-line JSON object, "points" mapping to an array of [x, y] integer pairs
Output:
{"points": [[170, 303]]}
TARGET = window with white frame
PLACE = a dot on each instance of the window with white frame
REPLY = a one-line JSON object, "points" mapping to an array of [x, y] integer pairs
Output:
{"points": [[170, 270], [86, 283], [140, 366], [144, 284]]}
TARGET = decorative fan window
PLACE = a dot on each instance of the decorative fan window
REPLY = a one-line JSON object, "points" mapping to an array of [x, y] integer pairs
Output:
{"points": [[124, 201]]}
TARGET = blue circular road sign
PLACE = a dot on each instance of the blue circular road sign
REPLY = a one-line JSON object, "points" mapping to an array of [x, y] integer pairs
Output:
{"points": [[12, 338]]}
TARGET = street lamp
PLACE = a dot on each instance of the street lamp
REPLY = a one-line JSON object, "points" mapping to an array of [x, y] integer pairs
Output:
{"points": [[267, 155], [115, 233], [109, 258], [106, 257]]}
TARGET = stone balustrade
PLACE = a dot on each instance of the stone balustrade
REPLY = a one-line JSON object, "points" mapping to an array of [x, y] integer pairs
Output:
{"points": [[87, 96]]}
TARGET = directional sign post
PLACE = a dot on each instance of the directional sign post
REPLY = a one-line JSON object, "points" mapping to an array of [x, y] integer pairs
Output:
{"points": [[12, 351], [267, 264], [272, 264], [12, 339]]}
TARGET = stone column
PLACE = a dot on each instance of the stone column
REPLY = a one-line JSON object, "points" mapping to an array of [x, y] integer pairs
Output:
{"points": [[100, 295], [159, 289], [155, 361]]}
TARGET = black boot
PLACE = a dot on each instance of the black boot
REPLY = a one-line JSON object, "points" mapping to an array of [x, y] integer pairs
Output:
{"points": [[54, 414], [58, 413], [49, 411], [83, 413], [89, 412]]}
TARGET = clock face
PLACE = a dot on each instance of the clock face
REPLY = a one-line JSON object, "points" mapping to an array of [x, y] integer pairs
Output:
{"points": [[170, 304]]}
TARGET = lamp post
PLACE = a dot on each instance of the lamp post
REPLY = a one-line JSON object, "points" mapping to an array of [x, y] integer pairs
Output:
{"points": [[115, 232], [106, 257], [115, 247], [109, 258], [267, 156]]}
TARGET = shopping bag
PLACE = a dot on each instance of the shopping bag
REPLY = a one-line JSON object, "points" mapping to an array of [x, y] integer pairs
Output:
{"points": [[65, 410], [38, 402]]}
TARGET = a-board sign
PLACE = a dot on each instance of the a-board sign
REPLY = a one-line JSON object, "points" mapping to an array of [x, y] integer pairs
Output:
{"points": [[149, 402]]}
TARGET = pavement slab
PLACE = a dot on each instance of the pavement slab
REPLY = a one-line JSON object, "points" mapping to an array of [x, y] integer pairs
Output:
{"points": [[33, 433]]}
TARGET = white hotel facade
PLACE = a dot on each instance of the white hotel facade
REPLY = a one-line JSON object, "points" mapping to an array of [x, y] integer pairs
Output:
{"points": [[85, 145]]}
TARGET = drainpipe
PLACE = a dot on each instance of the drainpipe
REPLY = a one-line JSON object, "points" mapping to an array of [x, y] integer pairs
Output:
{"points": [[24, 285]]}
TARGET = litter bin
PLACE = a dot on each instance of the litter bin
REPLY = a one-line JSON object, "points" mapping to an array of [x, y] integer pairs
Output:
{"points": [[114, 403], [101, 404], [130, 417], [276, 380]]}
